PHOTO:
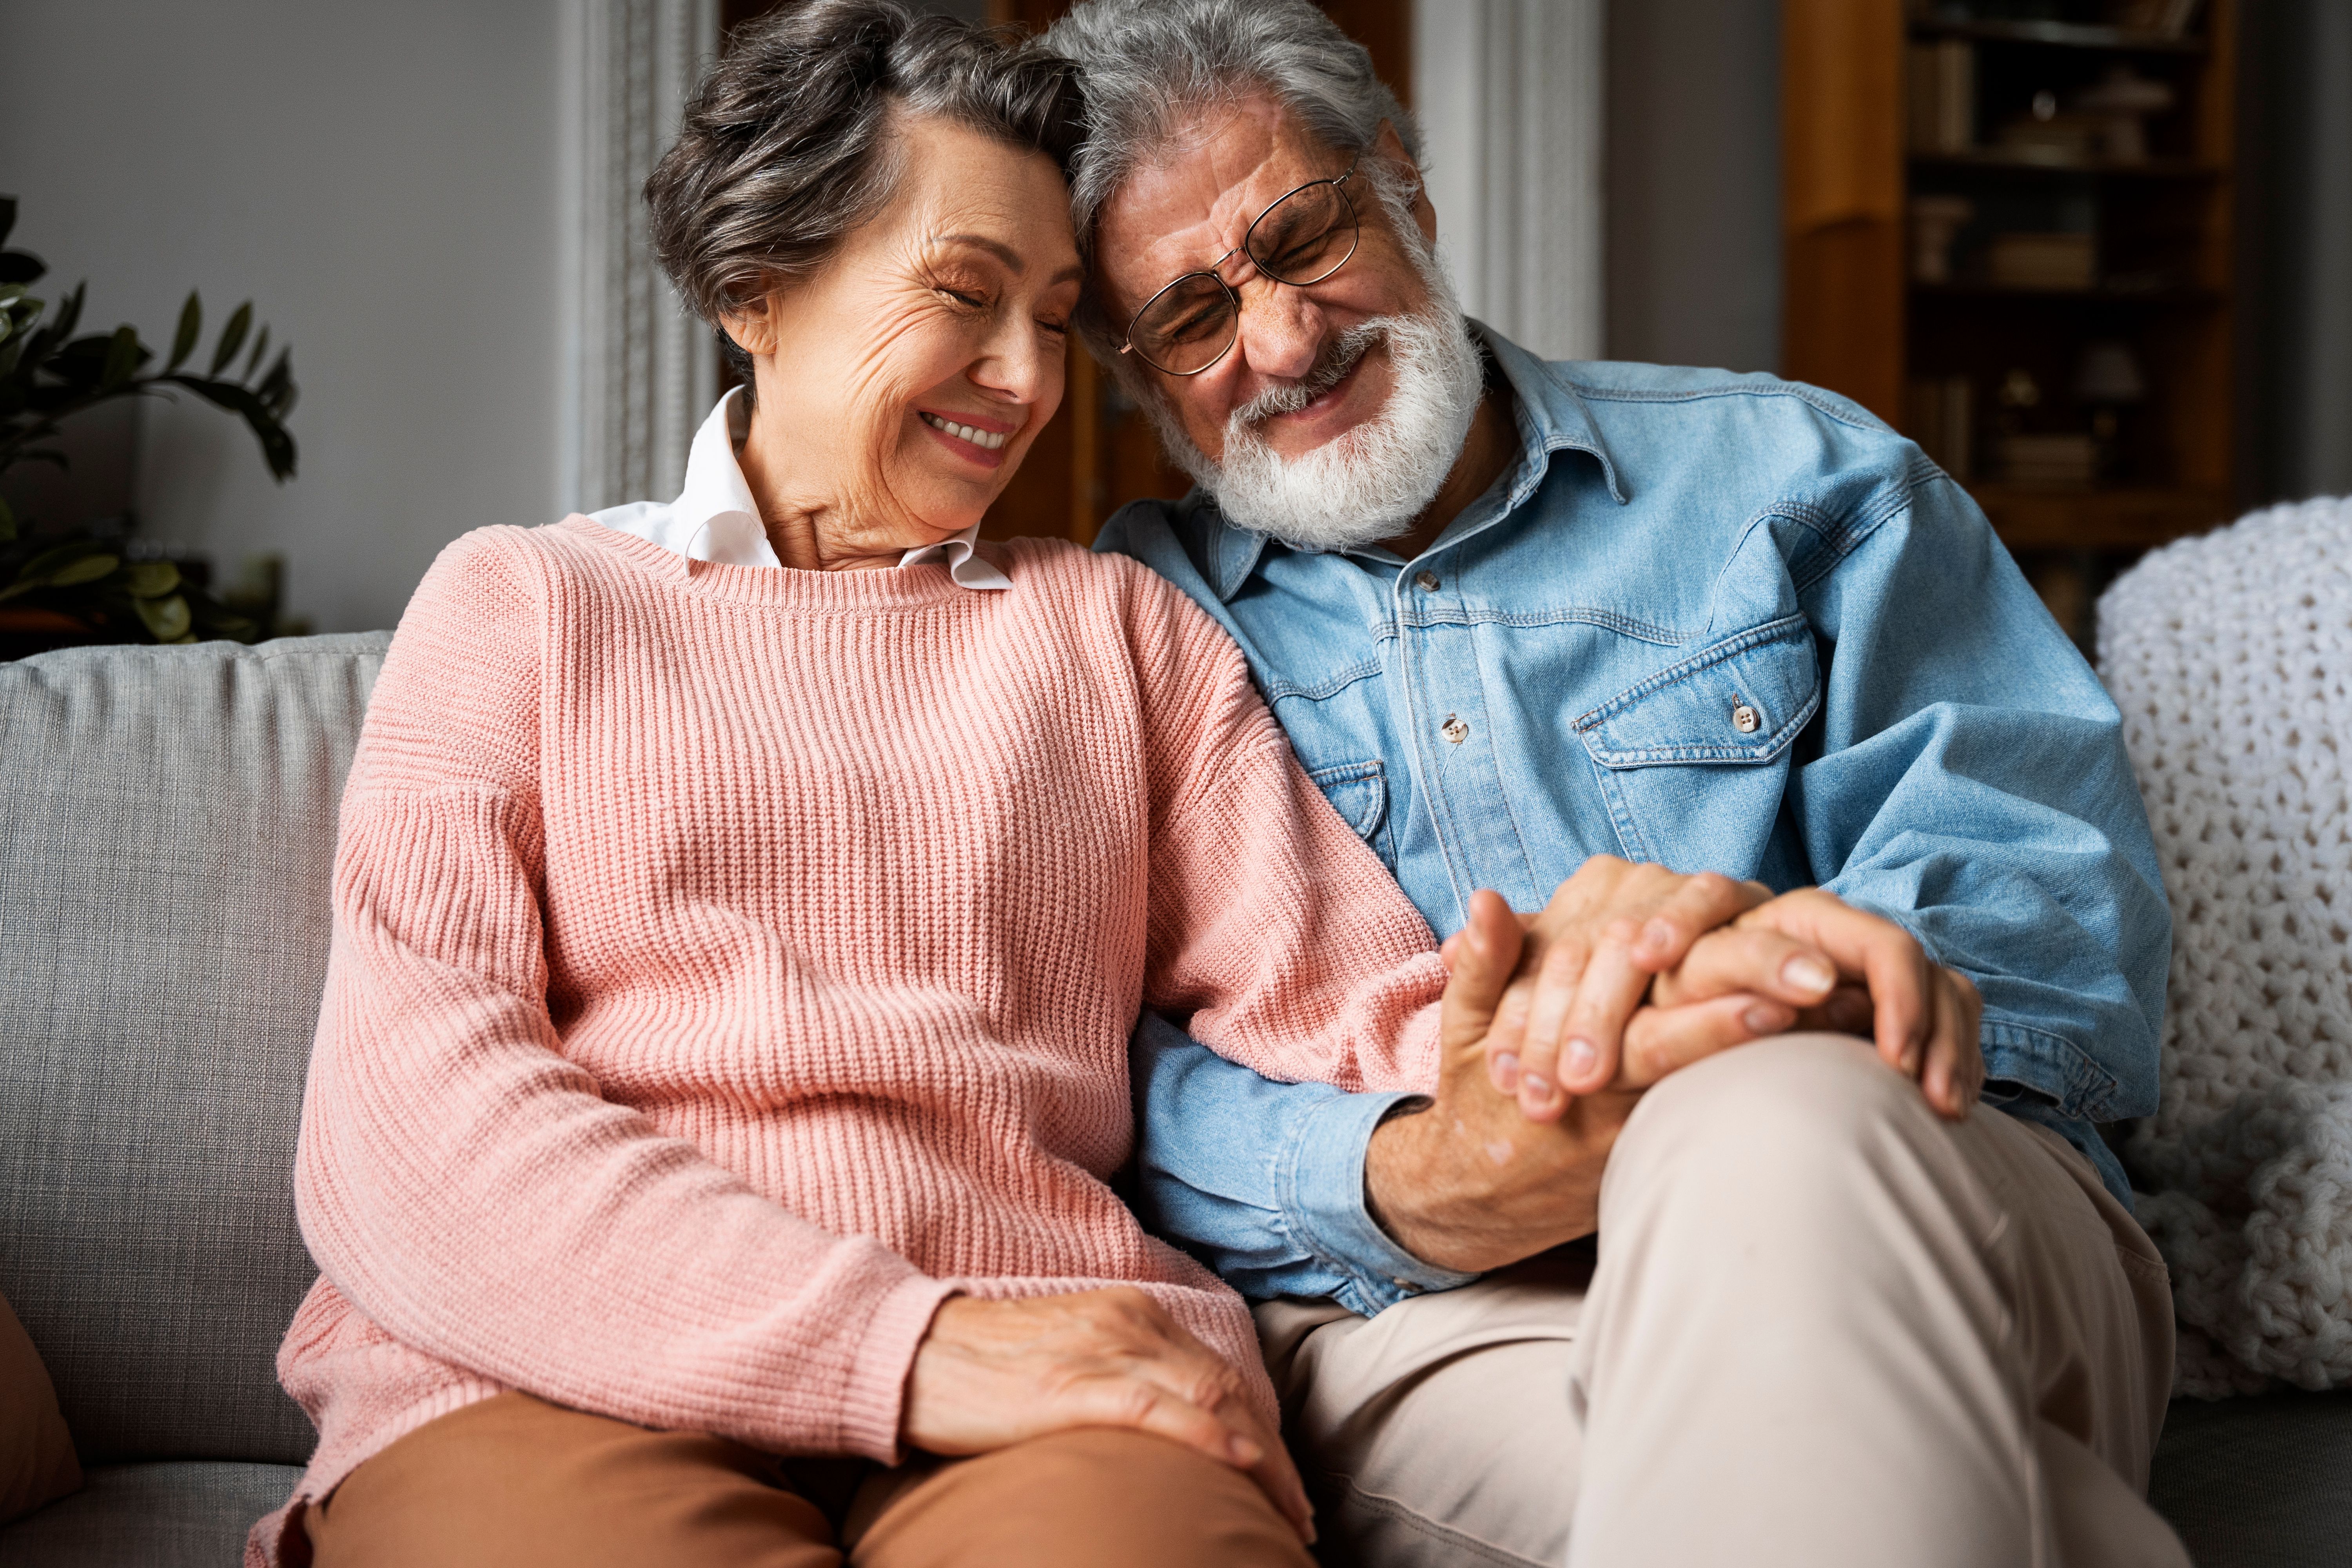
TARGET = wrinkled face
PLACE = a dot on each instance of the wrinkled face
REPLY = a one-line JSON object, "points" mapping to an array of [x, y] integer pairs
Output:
{"points": [[1193, 206], [901, 385]]}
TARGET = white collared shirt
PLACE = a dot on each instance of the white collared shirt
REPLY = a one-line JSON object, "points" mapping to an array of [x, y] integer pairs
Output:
{"points": [[714, 518]]}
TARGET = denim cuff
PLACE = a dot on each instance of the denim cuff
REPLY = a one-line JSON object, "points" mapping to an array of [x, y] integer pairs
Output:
{"points": [[1322, 1198]]}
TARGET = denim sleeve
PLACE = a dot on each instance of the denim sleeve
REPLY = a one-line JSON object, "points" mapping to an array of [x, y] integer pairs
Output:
{"points": [[1970, 782], [1264, 1182]]}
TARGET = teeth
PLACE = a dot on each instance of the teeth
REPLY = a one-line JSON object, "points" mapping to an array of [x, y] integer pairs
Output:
{"points": [[990, 439]]}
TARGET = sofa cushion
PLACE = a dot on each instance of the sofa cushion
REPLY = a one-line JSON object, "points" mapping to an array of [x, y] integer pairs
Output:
{"points": [[151, 1516], [2263, 1482], [37, 1454], [165, 852]]}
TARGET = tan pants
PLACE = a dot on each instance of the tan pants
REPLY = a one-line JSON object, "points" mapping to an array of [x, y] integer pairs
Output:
{"points": [[512, 1482], [1824, 1328]]}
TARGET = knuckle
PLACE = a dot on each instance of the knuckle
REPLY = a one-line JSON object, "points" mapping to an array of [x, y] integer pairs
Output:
{"points": [[1714, 886]]}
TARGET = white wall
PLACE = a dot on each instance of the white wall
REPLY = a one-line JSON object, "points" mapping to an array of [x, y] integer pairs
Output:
{"points": [[1693, 185], [381, 180], [1620, 199], [1510, 95], [2294, 434]]}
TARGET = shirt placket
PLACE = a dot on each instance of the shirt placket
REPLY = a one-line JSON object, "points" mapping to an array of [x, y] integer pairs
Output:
{"points": [[1452, 741]]}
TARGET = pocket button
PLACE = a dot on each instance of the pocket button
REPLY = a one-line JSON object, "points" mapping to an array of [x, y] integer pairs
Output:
{"points": [[1744, 720]]}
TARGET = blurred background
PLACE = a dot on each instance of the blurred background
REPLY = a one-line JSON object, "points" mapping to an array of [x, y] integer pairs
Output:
{"points": [[2095, 255]]}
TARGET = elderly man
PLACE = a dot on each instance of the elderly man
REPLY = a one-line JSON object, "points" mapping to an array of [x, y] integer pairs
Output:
{"points": [[1517, 617]]}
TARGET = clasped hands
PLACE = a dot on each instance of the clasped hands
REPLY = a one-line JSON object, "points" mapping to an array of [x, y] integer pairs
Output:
{"points": [[1555, 1024]]}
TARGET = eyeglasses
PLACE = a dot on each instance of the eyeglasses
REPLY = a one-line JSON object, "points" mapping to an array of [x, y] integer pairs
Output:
{"points": [[1300, 239]]}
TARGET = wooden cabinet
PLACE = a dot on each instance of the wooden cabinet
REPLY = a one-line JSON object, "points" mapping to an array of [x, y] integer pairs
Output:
{"points": [[2006, 231]]}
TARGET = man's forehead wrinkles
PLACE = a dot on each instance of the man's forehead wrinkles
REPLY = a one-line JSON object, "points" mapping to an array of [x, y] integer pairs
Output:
{"points": [[1233, 171]]}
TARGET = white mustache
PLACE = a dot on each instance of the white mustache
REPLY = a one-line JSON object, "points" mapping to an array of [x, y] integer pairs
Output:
{"points": [[1345, 353]]}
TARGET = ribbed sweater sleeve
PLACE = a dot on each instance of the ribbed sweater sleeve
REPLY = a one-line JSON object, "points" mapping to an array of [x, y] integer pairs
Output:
{"points": [[1271, 924], [469, 1188]]}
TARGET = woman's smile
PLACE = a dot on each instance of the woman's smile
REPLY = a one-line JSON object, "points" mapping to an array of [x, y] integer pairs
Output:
{"points": [[973, 438]]}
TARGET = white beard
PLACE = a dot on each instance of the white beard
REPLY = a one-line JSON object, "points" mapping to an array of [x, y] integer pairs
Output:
{"points": [[1371, 483]]}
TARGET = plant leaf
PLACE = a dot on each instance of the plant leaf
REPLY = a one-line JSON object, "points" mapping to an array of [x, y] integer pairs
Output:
{"points": [[123, 354], [7, 217], [88, 569], [232, 338], [150, 579], [260, 347], [58, 555], [166, 619], [278, 383], [20, 267], [277, 446], [184, 340]]}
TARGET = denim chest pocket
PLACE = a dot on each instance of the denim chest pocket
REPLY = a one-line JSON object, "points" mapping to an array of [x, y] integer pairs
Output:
{"points": [[1694, 759], [1358, 792]]}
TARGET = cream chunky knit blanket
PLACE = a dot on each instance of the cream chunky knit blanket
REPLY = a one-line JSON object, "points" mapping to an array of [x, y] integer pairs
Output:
{"points": [[2229, 655]]}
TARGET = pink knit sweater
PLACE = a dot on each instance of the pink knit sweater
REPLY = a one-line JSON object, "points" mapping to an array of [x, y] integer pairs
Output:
{"points": [[731, 963]]}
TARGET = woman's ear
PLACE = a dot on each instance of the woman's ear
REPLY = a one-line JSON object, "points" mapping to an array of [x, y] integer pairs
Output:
{"points": [[752, 326]]}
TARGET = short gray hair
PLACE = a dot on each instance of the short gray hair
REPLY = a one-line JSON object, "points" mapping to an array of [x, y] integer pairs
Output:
{"points": [[1152, 65]]}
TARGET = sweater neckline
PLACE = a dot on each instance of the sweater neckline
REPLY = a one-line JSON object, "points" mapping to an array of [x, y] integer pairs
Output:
{"points": [[919, 586]]}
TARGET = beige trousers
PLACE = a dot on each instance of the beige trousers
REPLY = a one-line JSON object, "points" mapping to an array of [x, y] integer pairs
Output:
{"points": [[1824, 1328]]}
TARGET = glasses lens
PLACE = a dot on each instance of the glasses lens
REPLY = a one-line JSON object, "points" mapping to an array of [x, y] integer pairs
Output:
{"points": [[1186, 326], [1304, 236]]}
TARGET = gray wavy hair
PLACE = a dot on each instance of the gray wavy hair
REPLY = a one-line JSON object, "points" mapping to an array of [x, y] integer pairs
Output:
{"points": [[1150, 66]]}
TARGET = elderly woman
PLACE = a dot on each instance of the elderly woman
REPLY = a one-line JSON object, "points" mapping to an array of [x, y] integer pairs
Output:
{"points": [[741, 909]]}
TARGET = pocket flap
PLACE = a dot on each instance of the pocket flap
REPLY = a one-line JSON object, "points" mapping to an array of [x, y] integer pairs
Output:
{"points": [[1358, 792], [1742, 700]]}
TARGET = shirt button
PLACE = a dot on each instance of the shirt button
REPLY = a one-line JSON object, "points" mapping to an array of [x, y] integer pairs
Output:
{"points": [[1425, 581], [1744, 720], [1405, 1285], [1453, 730]]}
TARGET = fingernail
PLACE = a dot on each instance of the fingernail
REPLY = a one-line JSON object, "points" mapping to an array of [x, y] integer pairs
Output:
{"points": [[1506, 1071], [1581, 1057], [1245, 1451], [1761, 1019], [1534, 1087], [1804, 973]]}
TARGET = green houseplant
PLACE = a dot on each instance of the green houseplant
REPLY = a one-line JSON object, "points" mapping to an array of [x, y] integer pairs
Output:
{"points": [[48, 374]]}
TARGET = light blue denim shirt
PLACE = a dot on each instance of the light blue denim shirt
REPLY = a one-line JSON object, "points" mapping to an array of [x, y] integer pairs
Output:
{"points": [[1721, 622]]}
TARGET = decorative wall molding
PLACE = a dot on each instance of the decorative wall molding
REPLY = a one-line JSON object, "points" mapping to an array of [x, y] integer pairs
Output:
{"points": [[639, 369], [1510, 100]]}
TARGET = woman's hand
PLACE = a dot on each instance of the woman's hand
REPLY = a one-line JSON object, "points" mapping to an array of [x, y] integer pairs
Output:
{"points": [[992, 1374], [1923, 1017]]}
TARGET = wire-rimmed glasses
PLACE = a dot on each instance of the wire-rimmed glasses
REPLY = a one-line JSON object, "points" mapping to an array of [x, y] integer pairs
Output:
{"points": [[1301, 238]]}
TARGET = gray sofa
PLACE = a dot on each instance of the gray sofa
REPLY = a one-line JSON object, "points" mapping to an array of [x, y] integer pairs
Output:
{"points": [[166, 829]]}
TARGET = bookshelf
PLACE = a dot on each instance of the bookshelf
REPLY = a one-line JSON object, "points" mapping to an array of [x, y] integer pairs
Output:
{"points": [[2006, 231]]}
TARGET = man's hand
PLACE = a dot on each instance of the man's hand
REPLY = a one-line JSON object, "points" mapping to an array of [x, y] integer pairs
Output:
{"points": [[1595, 948], [1922, 1016], [1471, 1183], [992, 1374]]}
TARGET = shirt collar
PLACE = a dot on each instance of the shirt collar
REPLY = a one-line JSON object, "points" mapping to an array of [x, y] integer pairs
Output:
{"points": [[1551, 417], [714, 518]]}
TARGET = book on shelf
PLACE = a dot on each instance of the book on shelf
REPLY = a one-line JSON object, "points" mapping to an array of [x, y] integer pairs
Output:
{"points": [[1942, 419], [2043, 260], [2172, 18], [2048, 462], [1941, 80]]}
